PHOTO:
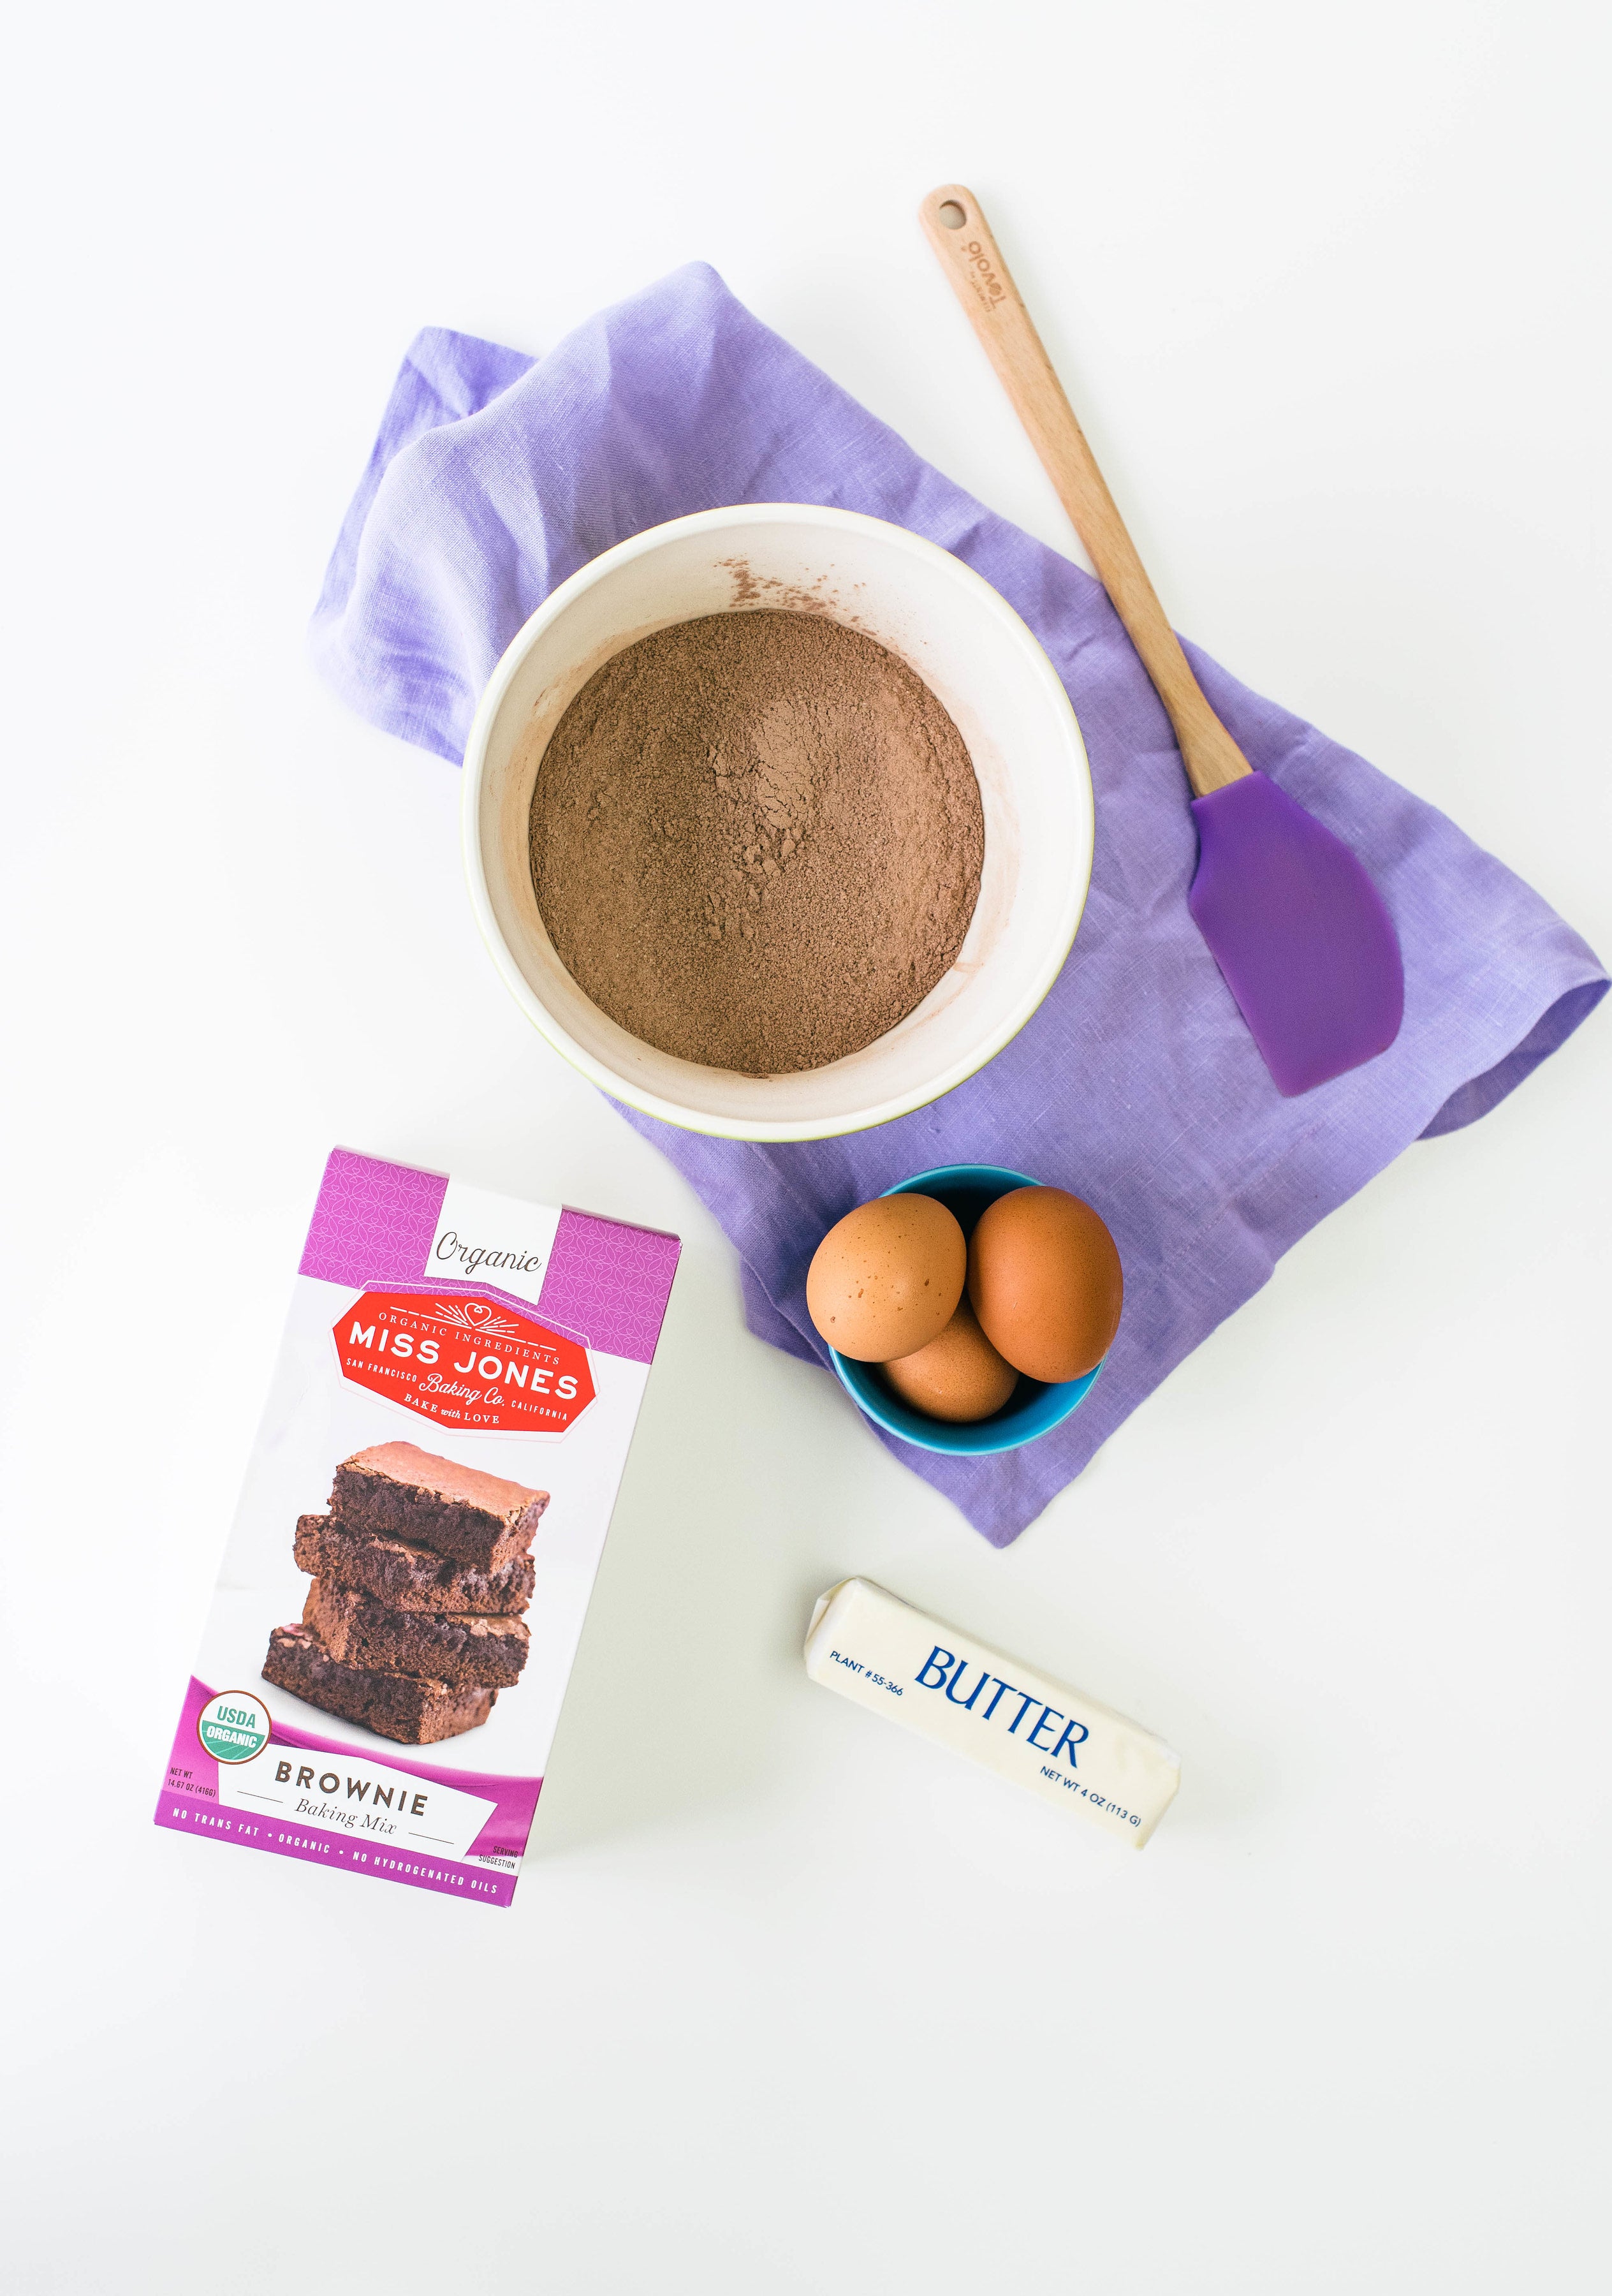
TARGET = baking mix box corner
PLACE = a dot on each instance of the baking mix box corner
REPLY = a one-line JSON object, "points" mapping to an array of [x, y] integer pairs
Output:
{"points": [[405, 1584]]}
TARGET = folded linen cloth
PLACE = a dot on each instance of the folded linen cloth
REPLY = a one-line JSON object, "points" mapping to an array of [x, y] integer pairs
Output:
{"points": [[1136, 1084]]}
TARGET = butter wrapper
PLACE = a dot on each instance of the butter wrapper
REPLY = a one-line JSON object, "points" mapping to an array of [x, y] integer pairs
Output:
{"points": [[884, 1654]]}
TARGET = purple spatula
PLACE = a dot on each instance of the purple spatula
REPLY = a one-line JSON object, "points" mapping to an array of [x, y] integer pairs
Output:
{"points": [[1294, 923]]}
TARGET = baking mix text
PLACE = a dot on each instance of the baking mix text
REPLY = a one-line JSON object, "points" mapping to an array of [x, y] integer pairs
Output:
{"points": [[350, 1813]]}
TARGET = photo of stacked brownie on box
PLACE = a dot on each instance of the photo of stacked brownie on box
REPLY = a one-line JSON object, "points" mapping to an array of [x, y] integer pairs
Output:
{"points": [[422, 1571]]}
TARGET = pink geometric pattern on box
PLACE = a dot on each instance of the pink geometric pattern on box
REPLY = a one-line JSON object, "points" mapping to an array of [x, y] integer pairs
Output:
{"points": [[611, 1282], [373, 1222]]}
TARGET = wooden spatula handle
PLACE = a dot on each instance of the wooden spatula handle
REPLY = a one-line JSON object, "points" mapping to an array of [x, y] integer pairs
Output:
{"points": [[972, 261]]}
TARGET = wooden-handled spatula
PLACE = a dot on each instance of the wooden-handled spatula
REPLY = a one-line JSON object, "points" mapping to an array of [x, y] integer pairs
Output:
{"points": [[1294, 923]]}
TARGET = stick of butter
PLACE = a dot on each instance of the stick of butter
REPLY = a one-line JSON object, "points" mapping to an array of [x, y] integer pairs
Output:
{"points": [[873, 1647]]}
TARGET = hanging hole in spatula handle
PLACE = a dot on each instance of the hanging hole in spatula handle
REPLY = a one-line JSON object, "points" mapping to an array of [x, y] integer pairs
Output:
{"points": [[960, 235]]}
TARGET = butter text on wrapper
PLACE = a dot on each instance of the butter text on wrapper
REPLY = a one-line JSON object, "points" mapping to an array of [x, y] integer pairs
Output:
{"points": [[935, 1674]]}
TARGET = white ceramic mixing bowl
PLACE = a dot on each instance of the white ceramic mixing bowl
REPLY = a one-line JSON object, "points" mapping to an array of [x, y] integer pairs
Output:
{"points": [[963, 640]]}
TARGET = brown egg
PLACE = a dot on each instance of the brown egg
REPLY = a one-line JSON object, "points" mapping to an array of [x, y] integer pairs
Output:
{"points": [[1045, 1281], [960, 1375], [886, 1279]]}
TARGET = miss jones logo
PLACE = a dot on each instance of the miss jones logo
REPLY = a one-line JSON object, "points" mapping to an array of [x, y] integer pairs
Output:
{"points": [[464, 1362]]}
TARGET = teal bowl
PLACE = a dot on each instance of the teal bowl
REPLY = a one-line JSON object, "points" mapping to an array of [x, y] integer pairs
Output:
{"points": [[1034, 1408]]}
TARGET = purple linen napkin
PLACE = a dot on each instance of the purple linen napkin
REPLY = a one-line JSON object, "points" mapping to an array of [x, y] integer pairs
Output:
{"points": [[1136, 1084]]}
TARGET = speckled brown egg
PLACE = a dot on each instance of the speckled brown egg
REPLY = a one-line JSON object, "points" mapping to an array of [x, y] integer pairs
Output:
{"points": [[1045, 1281], [886, 1279], [958, 1376]]}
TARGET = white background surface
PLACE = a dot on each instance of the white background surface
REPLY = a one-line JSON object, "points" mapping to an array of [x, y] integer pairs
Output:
{"points": [[789, 2003]]}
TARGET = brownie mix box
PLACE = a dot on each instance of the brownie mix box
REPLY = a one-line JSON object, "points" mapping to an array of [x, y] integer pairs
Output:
{"points": [[411, 1560]]}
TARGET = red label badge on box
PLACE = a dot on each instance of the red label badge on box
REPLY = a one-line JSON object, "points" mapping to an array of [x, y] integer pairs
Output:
{"points": [[463, 1361]]}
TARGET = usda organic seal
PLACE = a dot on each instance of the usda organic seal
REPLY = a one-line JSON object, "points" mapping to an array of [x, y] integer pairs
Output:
{"points": [[233, 1726]]}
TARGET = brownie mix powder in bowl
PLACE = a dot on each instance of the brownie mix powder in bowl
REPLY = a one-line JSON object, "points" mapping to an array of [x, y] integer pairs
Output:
{"points": [[757, 840]]}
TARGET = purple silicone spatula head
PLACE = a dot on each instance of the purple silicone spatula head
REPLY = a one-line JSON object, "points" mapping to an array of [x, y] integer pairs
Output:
{"points": [[1299, 930]]}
